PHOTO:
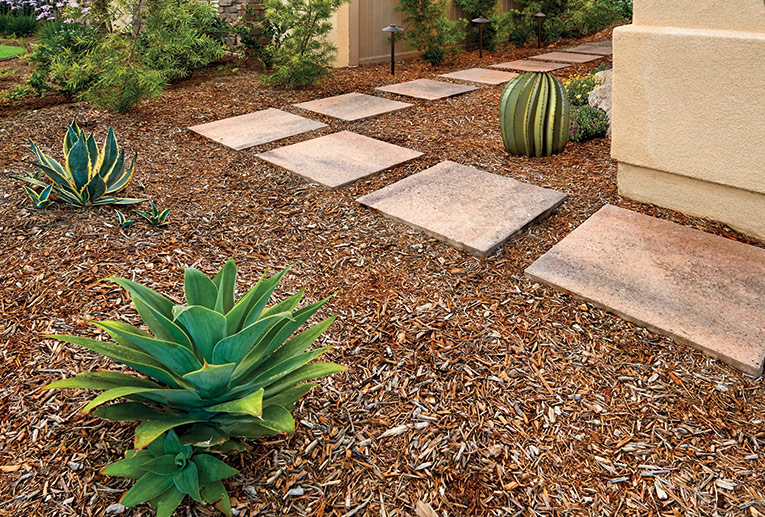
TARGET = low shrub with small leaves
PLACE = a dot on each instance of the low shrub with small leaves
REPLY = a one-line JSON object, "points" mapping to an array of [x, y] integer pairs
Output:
{"points": [[588, 123]]}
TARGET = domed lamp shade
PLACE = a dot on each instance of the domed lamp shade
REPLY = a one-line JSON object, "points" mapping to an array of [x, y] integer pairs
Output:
{"points": [[393, 30], [480, 21]]}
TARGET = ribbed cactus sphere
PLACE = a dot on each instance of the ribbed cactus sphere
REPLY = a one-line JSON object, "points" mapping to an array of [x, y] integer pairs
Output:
{"points": [[534, 115]]}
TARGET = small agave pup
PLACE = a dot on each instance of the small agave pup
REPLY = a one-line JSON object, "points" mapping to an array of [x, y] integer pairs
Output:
{"points": [[220, 370], [88, 174], [534, 115]]}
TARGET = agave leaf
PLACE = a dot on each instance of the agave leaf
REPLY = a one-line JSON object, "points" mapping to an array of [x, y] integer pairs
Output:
{"points": [[308, 372], [73, 133], [71, 198], [225, 281], [184, 398], [212, 469], [201, 435], [200, 290], [286, 305], [187, 481], [158, 302], [102, 381], [93, 156], [150, 430], [115, 393], [233, 348], [129, 467], [127, 412], [174, 447], [287, 398], [166, 503], [32, 180], [206, 328], [56, 177], [77, 163], [228, 446], [251, 404], [96, 188], [211, 379], [298, 344], [264, 378], [261, 293], [275, 420], [119, 178], [163, 465], [175, 357], [136, 359], [109, 152], [215, 494], [109, 200], [146, 488]]}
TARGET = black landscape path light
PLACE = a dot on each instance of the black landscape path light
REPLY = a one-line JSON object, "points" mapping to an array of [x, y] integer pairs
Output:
{"points": [[539, 17], [393, 29], [480, 21]]}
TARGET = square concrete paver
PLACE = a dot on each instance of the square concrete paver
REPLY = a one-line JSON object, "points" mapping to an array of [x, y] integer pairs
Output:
{"points": [[426, 89], [526, 65], [600, 50], [469, 208], [481, 75], [352, 106], [338, 159], [700, 289], [566, 57], [256, 128]]}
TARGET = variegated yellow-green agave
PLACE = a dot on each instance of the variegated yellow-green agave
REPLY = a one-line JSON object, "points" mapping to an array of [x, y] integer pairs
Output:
{"points": [[534, 115], [220, 369], [88, 174]]}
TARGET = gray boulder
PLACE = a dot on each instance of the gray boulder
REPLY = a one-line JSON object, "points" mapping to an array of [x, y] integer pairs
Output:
{"points": [[600, 97]]}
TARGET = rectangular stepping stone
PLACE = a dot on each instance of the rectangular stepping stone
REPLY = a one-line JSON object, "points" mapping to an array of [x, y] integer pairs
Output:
{"points": [[466, 207], [589, 48], [426, 89], [700, 289], [526, 65], [260, 127], [566, 57], [338, 159], [481, 75], [352, 106]]}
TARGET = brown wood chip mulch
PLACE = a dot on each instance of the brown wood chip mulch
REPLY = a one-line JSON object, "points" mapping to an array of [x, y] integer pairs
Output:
{"points": [[470, 390]]}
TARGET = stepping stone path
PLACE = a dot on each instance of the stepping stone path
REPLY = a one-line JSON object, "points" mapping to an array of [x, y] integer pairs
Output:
{"points": [[566, 57], [526, 65], [338, 159], [260, 127], [352, 106], [468, 208], [426, 89], [700, 289], [601, 50], [480, 75]]}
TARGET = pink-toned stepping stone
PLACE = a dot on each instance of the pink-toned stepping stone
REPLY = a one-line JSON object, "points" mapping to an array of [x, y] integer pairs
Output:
{"points": [[352, 106], [700, 289], [480, 75], [600, 50], [338, 159], [468, 208], [566, 57], [256, 128], [426, 89], [526, 65]]}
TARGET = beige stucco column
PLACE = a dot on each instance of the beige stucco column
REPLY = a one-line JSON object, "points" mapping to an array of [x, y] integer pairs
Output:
{"points": [[689, 108]]}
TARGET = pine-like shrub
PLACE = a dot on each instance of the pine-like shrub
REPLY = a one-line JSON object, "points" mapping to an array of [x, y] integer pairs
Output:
{"points": [[429, 30]]}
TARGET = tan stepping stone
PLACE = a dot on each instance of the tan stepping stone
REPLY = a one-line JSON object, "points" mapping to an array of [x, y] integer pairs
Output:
{"points": [[426, 89], [604, 43], [566, 57], [600, 50], [700, 289], [526, 65], [338, 159], [352, 106], [260, 127], [467, 207], [481, 75]]}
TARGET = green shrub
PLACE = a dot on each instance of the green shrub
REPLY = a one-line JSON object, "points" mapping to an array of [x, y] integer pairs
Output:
{"points": [[579, 88], [259, 36], [588, 123], [299, 51], [181, 36], [219, 370], [429, 28], [474, 9]]}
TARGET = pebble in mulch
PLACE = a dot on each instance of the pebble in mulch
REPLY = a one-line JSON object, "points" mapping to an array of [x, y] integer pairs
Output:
{"points": [[601, 50], [466, 207], [526, 65], [338, 159], [256, 128], [566, 57], [427, 89], [698, 288], [352, 106], [480, 75]]}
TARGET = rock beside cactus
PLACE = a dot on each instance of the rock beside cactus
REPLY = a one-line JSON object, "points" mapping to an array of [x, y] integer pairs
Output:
{"points": [[600, 97]]}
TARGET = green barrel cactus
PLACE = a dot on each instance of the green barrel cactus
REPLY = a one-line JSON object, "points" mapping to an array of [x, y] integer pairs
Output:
{"points": [[534, 115]]}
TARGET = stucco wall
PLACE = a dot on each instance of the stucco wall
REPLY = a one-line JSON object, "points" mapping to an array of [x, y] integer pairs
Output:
{"points": [[689, 110]]}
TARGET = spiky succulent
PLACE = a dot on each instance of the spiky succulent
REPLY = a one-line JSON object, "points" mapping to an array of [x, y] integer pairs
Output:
{"points": [[534, 115], [88, 173], [41, 199], [155, 216], [167, 472], [124, 220], [221, 370]]}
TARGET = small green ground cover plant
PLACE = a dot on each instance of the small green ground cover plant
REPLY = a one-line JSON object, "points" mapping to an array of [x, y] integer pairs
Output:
{"points": [[216, 370], [588, 123], [8, 51]]}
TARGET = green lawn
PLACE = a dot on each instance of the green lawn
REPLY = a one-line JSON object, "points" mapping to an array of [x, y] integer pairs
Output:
{"points": [[7, 51]]}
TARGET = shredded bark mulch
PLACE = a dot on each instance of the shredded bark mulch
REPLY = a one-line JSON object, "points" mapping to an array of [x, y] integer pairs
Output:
{"points": [[470, 390]]}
